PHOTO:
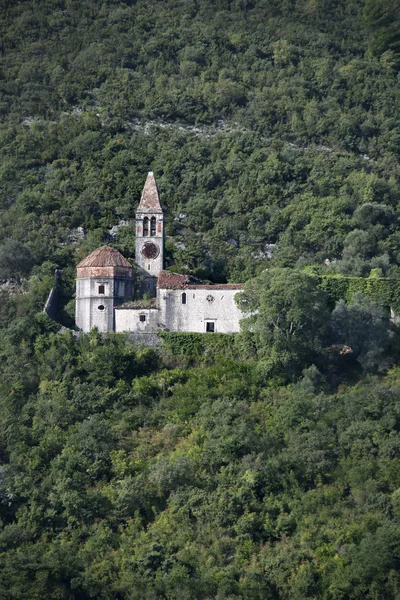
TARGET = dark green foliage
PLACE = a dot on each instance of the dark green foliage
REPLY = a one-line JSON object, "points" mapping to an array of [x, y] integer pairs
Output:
{"points": [[121, 479], [288, 320], [192, 472], [15, 260], [363, 329], [382, 17]]}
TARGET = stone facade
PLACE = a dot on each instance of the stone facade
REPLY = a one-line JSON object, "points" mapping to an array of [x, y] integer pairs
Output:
{"points": [[104, 288], [199, 308], [193, 308], [139, 320]]}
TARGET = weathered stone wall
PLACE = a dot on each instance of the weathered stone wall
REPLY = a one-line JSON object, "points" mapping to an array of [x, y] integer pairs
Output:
{"points": [[204, 309], [129, 319], [95, 309], [145, 284], [203, 305], [51, 306]]}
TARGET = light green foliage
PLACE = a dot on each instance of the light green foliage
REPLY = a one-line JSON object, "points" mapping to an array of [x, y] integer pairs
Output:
{"points": [[384, 291], [290, 324]]}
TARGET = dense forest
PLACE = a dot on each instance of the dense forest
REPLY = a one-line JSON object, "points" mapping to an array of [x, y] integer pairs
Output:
{"points": [[259, 466]]}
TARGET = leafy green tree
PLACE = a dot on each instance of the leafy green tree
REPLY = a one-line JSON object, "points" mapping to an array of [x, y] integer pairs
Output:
{"points": [[288, 322]]}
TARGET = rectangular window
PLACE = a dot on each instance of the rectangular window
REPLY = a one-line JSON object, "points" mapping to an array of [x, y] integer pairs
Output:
{"points": [[101, 289], [210, 326], [142, 318]]}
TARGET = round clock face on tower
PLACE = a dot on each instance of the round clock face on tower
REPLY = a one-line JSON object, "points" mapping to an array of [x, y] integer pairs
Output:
{"points": [[150, 250]]}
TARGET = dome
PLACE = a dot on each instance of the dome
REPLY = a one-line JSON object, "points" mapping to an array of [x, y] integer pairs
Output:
{"points": [[104, 257]]}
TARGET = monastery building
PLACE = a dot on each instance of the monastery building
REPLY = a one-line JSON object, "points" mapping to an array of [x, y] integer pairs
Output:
{"points": [[106, 282]]}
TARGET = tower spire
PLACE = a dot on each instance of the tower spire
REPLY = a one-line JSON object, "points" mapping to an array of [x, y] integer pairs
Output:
{"points": [[150, 201], [150, 231]]}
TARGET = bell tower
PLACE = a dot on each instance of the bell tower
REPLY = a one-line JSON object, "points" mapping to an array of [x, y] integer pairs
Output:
{"points": [[150, 230]]}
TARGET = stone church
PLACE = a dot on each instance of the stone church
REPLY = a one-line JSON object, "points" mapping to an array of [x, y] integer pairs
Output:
{"points": [[106, 283]]}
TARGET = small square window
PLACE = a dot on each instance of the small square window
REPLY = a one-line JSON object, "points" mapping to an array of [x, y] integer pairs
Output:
{"points": [[210, 326], [101, 289], [142, 318]]}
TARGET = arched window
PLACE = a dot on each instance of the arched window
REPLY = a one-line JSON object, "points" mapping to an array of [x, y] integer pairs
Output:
{"points": [[183, 298], [146, 226], [153, 226]]}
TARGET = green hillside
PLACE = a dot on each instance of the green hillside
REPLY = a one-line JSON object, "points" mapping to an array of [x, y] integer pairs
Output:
{"points": [[264, 122], [261, 466]]}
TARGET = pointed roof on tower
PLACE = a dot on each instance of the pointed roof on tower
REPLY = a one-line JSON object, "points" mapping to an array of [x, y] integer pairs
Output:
{"points": [[150, 201]]}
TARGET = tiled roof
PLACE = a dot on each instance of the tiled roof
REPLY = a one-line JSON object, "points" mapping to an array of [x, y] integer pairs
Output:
{"points": [[150, 202], [104, 257], [174, 281]]}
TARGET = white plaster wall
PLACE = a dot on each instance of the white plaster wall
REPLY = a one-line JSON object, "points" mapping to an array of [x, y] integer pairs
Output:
{"points": [[82, 313], [102, 319], [128, 319], [193, 316], [88, 300]]}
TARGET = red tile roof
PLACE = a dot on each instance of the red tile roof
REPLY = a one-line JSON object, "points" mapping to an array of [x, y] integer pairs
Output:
{"points": [[104, 257], [172, 281], [150, 202]]}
